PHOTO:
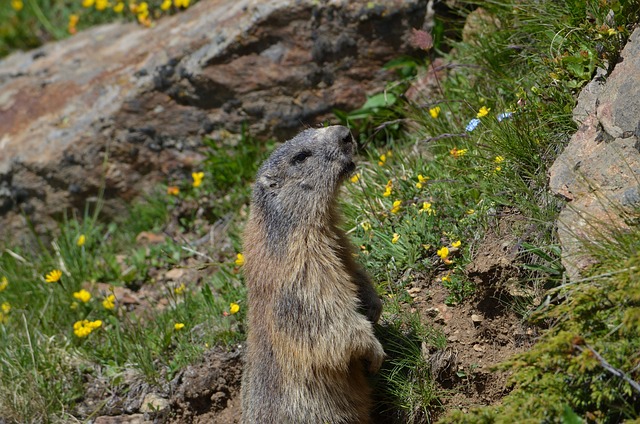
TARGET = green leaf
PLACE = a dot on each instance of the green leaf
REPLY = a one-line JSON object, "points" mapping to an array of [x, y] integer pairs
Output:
{"points": [[208, 295], [570, 417]]}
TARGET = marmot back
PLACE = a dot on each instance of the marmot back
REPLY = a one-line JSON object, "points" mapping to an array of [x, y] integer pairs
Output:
{"points": [[310, 306]]}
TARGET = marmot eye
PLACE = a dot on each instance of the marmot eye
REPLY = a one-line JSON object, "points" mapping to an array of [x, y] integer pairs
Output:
{"points": [[300, 157]]}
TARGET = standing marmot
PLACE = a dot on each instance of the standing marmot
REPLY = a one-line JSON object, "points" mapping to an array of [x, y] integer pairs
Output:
{"points": [[308, 301]]}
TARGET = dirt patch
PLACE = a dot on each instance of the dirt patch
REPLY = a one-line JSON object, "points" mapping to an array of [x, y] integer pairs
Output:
{"points": [[208, 392], [483, 331], [205, 392]]}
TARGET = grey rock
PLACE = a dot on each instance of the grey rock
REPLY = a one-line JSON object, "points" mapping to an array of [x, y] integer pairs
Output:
{"points": [[599, 170], [619, 104], [153, 403]]}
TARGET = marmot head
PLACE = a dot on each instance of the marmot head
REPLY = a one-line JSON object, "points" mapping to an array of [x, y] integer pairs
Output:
{"points": [[298, 183]]}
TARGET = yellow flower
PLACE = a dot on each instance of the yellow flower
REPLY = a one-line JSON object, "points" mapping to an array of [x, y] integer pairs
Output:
{"points": [[239, 259], [6, 307], [421, 180], [173, 190], [234, 308], [471, 211], [387, 189], [178, 326], [3, 283], [426, 207], [109, 302], [446, 278], [395, 238], [443, 252], [73, 22], [181, 3], [383, 159], [197, 178], [484, 111], [166, 4], [355, 178], [54, 276], [82, 295], [180, 289], [17, 5], [81, 240], [456, 153], [102, 4], [497, 169], [85, 327], [456, 244], [396, 206], [143, 15], [119, 7], [87, 3], [366, 225], [499, 159], [434, 112]]}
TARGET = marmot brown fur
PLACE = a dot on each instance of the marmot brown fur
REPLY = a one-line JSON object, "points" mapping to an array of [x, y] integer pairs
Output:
{"points": [[311, 308]]}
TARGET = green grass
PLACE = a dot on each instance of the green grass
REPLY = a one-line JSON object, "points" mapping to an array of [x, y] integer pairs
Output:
{"points": [[445, 187], [25, 24], [45, 365]]}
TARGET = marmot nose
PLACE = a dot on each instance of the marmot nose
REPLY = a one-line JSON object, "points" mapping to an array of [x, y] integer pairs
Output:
{"points": [[347, 139], [347, 145]]}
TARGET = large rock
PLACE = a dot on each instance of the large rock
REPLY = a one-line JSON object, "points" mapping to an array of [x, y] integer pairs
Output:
{"points": [[125, 106], [599, 170]]}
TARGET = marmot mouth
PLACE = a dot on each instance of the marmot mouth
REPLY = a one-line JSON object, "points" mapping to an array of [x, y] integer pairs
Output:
{"points": [[347, 169]]}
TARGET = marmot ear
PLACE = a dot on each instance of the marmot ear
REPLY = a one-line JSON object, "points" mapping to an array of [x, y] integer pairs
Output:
{"points": [[269, 181]]}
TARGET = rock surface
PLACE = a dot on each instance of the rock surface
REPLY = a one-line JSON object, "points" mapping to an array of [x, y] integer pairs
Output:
{"points": [[124, 106], [599, 170]]}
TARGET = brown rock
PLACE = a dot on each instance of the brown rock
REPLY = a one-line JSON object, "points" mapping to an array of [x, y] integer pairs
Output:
{"points": [[124, 106], [476, 318]]}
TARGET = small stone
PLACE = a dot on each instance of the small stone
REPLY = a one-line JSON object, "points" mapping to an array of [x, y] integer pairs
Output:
{"points": [[478, 348], [147, 237], [436, 314], [174, 274], [477, 319], [413, 292], [153, 403], [121, 419]]}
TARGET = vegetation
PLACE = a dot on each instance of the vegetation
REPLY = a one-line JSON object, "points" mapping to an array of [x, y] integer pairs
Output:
{"points": [[26, 24], [434, 174]]}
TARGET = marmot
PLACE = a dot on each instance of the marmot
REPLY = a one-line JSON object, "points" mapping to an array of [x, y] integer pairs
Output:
{"points": [[311, 308]]}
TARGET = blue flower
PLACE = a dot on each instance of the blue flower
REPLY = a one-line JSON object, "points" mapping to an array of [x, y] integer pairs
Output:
{"points": [[472, 124], [504, 115]]}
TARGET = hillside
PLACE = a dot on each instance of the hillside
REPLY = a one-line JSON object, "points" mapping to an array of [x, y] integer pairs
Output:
{"points": [[495, 203]]}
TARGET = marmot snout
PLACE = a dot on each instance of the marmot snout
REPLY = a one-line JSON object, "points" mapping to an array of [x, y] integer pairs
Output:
{"points": [[310, 306]]}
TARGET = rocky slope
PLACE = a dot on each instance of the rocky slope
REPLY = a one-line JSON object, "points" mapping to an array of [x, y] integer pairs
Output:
{"points": [[122, 107]]}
